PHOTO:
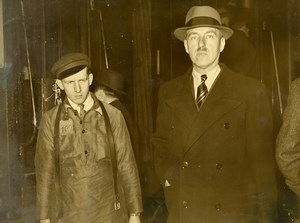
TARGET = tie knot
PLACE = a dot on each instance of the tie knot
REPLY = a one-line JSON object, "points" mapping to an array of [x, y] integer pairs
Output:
{"points": [[81, 109], [203, 77], [81, 106]]}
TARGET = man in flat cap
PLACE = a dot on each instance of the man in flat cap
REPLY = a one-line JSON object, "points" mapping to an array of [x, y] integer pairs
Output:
{"points": [[80, 176], [213, 143]]}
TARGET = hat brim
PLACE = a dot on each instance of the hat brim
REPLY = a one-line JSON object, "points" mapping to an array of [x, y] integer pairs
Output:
{"points": [[117, 91], [180, 33]]}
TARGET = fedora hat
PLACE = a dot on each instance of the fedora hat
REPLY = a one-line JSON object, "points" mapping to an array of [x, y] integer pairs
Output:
{"points": [[111, 79], [202, 16]]}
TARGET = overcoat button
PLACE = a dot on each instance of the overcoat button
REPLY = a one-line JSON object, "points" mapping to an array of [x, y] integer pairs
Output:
{"points": [[172, 127], [83, 131], [218, 207], [219, 166], [227, 125], [184, 204], [185, 164]]}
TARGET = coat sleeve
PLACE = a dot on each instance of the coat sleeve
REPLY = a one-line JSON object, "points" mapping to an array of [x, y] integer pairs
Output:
{"points": [[288, 140], [260, 149], [127, 168], [44, 167]]}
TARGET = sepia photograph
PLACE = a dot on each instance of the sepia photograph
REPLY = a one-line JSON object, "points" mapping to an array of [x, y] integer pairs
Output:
{"points": [[150, 111]]}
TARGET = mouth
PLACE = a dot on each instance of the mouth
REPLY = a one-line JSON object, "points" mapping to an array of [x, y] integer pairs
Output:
{"points": [[201, 53], [78, 96]]}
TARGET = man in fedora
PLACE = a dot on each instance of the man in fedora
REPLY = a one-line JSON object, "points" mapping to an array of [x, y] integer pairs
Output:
{"points": [[213, 142], [77, 155]]}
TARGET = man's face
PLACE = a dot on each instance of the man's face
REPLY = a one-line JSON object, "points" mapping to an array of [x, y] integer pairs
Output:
{"points": [[204, 44], [77, 86]]}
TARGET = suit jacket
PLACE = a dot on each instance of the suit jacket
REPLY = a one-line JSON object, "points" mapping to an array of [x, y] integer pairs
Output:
{"points": [[219, 160], [288, 140]]}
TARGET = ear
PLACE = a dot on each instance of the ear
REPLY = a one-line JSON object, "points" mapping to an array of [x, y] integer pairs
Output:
{"points": [[91, 77], [186, 46], [222, 44], [59, 84]]}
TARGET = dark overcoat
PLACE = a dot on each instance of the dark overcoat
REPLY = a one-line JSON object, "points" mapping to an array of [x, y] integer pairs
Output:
{"points": [[219, 160]]}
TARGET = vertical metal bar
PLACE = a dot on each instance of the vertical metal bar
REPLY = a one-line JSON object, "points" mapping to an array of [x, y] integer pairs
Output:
{"points": [[103, 38], [28, 64], [290, 65], [171, 42], [276, 73], [89, 8], [158, 62], [59, 30]]}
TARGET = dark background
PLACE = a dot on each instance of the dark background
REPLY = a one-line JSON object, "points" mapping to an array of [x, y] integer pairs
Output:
{"points": [[46, 29]]}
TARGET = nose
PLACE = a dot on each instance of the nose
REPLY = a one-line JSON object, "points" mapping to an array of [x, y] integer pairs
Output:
{"points": [[77, 87], [201, 41]]}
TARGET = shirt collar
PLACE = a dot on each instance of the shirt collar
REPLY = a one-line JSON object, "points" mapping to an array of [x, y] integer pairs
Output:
{"points": [[87, 104], [211, 77]]}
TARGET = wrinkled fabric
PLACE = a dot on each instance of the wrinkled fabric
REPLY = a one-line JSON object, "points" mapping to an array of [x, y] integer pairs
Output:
{"points": [[288, 140], [219, 161], [87, 191]]}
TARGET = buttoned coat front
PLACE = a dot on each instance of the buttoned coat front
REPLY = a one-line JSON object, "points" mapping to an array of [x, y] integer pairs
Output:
{"points": [[219, 160]]}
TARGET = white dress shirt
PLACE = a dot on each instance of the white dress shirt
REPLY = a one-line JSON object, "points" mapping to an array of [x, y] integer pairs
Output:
{"points": [[211, 77]]}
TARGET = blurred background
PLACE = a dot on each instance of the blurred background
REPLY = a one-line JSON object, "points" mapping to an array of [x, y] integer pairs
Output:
{"points": [[134, 37]]}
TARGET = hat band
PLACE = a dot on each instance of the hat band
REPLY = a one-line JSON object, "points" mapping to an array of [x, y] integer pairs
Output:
{"points": [[201, 20], [69, 72]]}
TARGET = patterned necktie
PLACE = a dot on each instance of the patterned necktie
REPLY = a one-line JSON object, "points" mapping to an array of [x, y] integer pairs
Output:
{"points": [[81, 110], [201, 91]]}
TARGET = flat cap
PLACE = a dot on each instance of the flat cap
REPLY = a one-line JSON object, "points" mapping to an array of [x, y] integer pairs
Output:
{"points": [[70, 64]]}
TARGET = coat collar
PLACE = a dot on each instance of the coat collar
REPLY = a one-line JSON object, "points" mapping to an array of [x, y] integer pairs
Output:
{"points": [[219, 101]]}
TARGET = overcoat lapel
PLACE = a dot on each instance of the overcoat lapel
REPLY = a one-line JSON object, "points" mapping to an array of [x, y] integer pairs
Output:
{"points": [[218, 102], [183, 104]]}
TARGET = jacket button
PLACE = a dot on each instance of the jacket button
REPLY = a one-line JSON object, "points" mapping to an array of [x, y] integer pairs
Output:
{"points": [[172, 127], [227, 125], [185, 204], [185, 164], [219, 166], [218, 207], [83, 131]]}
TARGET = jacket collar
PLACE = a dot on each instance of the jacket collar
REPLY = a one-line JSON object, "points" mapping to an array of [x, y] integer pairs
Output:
{"points": [[95, 106]]}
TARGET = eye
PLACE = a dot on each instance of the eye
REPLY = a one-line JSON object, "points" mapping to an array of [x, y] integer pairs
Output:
{"points": [[193, 37], [210, 36], [82, 80]]}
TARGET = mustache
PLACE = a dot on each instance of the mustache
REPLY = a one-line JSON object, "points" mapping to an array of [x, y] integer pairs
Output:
{"points": [[201, 49]]}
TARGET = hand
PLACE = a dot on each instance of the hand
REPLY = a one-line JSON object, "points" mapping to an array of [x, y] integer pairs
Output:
{"points": [[297, 220], [134, 219], [45, 221]]}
